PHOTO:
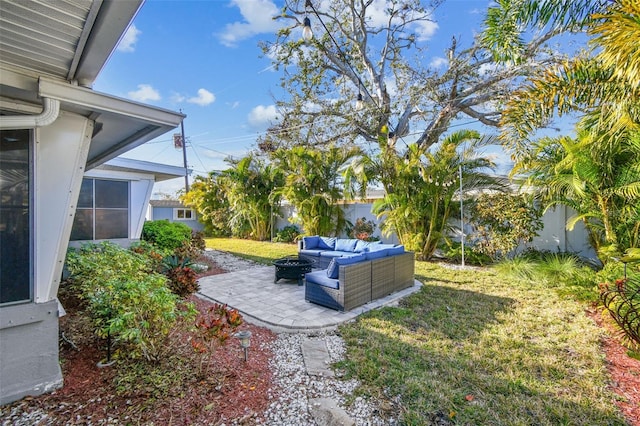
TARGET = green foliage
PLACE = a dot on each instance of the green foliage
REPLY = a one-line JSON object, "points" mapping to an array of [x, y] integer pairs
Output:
{"points": [[126, 299], [208, 196], [502, 222], [567, 274], [192, 248], [251, 186], [420, 187], [453, 251], [166, 235], [312, 186], [288, 234]]}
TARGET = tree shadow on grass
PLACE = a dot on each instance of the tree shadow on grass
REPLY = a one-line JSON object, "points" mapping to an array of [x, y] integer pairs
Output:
{"points": [[443, 353]]}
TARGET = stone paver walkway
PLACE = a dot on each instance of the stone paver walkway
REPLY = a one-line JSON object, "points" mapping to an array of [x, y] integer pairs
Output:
{"points": [[280, 307]]}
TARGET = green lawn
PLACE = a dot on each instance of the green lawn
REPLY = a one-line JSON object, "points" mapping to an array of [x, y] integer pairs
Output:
{"points": [[475, 348]]}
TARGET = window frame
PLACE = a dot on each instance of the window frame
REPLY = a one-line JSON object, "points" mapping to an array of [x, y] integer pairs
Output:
{"points": [[94, 209], [176, 210]]}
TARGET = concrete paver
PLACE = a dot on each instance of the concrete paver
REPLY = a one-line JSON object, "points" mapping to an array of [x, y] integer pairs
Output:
{"points": [[280, 306]]}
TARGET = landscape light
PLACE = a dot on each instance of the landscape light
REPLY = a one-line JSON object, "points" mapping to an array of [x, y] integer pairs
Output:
{"points": [[245, 340]]}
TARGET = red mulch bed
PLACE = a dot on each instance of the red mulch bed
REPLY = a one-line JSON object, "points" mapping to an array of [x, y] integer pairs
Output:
{"points": [[624, 370], [223, 388]]}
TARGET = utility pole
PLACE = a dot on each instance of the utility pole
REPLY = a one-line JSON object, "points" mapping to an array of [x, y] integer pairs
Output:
{"points": [[461, 215], [184, 157]]}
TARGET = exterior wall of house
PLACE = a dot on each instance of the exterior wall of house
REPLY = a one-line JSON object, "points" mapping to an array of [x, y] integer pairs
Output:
{"points": [[30, 364], [167, 213]]}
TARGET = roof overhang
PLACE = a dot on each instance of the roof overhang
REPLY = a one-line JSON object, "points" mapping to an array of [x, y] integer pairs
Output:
{"points": [[160, 171], [120, 124]]}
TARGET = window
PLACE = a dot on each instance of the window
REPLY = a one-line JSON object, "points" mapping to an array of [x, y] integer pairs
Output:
{"points": [[15, 216], [183, 214], [103, 210]]}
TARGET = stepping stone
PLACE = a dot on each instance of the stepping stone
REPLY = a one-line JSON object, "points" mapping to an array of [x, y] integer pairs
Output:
{"points": [[326, 412], [316, 358]]}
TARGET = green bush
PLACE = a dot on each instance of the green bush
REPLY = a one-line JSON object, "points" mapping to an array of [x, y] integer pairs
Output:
{"points": [[288, 234], [128, 301], [166, 235]]}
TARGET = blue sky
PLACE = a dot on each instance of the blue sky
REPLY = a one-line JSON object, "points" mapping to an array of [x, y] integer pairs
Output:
{"points": [[202, 57]]}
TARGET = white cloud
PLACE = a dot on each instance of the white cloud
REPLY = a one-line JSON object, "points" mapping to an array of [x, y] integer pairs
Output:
{"points": [[377, 16], [426, 29], [438, 62], [144, 93], [177, 98], [204, 98], [257, 16], [130, 38], [262, 116]]}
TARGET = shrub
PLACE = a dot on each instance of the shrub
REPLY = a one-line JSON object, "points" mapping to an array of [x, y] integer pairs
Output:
{"points": [[288, 234], [453, 252], [182, 281], [192, 248], [166, 235], [127, 301]]}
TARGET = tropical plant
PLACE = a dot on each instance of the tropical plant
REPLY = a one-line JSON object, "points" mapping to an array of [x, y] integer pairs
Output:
{"points": [[599, 181], [622, 300], [363, 229], [420, 188], [288, 234], [313, 186], [251, 186], [207, 196]]}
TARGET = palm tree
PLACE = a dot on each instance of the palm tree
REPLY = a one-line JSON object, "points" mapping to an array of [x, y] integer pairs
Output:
{"points": [[313, 185], [420, 187], [251, 190], [600, 181]]}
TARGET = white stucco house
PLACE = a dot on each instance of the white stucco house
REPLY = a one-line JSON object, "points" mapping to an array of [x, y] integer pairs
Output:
{"points": [[56, 136]]}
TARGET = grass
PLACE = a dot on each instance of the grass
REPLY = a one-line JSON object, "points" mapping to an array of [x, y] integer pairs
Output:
{"points": [[258, 251], [477, 347]]}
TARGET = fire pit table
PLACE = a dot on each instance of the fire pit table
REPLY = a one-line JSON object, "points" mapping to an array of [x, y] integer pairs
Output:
{"points": [[292, 268]]}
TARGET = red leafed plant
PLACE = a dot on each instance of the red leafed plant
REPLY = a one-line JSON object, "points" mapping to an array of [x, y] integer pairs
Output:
{"points": [[214, 327]]}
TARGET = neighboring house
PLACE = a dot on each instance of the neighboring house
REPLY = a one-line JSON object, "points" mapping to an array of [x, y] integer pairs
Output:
{"points": [[173, 211], [54, 131]]}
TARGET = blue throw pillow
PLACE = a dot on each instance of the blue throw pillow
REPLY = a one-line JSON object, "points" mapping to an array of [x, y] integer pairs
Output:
{"points": [[333, 271], [376, 254], [327, 243], [344, 244], [364, 246], [310, 242]]}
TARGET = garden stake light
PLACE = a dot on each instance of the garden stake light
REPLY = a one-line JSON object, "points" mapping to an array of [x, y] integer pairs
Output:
{"points": [[245, 340]]}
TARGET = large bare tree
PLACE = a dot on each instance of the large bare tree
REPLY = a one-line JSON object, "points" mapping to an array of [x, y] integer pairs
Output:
{"points": [[377, 48]]}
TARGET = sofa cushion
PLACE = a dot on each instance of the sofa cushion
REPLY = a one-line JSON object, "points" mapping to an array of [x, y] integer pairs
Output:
{"points": [[327, 243], [346, 244], [315, 252], [334, 253], [311, 242], [376, 254], [333, 270], [363, 246], [320, 278], [399, 249]]}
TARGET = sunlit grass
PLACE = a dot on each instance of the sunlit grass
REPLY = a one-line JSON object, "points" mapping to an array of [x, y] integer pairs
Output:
{"points": [[258, 251], [476, 347]]}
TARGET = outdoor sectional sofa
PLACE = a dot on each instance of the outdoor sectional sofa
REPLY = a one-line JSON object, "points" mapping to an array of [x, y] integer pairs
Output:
{"points": [[353, 272]]}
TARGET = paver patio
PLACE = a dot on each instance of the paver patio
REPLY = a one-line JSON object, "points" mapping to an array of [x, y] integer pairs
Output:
{"points": [[281, 307]]}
